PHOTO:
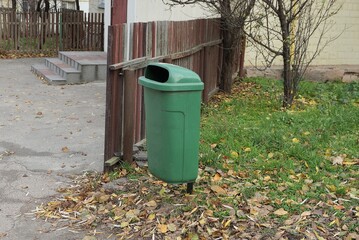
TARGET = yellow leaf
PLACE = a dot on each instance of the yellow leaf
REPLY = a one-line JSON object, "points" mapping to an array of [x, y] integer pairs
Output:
{"points": [[151, 216], [218, 189], [193, 210], [124, 224], [280, 212], [270, 155], [217, 177], [208, 213], [328, 152], [227, 223], [306, 133], [202, 221], [266, 178], [162, 228], [247, 149], [351, 162], [104, 198], [295, 140], [151, 203], [234, 154], [332, 188]]}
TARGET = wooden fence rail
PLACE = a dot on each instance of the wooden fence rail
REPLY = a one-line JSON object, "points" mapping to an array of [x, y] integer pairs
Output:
{"points": [[53, 31], [194, 44]]}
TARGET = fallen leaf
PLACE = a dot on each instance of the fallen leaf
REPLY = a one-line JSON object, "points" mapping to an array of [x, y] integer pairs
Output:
{"points": [[217, 177], [104, 198], [306, 213], [226, 224], [280, 212], [132, 214], [295, 140], [351, 162], [234, 154], [214, 145], [124, 224], [151, 203], [352, 236], [266, 178], [332, 188], [162, 228], [65, 149], [337, 160], [247, 149], [151, 216], [218, 189], [172, 227]]}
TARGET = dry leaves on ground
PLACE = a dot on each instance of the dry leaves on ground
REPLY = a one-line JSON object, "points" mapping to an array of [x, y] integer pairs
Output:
{"points": [[138, 206]]}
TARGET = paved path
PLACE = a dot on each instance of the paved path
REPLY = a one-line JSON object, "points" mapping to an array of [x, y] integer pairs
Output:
{"points": [[46, 133]]}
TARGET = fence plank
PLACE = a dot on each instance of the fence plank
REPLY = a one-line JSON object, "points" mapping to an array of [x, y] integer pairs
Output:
{"points": [[43, 32], [129, 113], [114, 94]]}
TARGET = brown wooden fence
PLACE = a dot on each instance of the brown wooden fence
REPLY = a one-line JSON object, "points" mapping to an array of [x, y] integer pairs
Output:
{"points": [[53, 31], [192, 44]]}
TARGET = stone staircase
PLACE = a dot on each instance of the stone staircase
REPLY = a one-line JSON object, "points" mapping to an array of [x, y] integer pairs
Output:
{"points": [[73, 68]]}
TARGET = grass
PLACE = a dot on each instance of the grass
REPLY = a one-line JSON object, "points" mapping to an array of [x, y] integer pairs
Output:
{"points": [[289, 152]]}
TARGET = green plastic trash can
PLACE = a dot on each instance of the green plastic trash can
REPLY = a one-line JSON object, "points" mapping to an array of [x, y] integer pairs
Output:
{"points": [[172, 96]]}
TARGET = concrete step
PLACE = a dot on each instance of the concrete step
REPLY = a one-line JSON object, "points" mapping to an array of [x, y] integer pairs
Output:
{"points": [[93, 65], [73, 68], [48, 75], [67, 72]]}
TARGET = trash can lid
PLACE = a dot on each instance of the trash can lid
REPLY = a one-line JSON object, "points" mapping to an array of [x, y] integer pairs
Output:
{"points": [[169, 77]]}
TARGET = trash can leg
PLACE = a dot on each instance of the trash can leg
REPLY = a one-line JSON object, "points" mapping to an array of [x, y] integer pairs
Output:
{"points": [[190, 188]]}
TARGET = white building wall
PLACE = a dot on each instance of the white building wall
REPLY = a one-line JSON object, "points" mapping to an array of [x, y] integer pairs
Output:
{"points": [[342, 51], [156, 10], [345, 49]]}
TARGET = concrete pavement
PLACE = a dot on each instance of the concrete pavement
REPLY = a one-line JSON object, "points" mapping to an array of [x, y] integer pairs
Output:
{"points": [[46, 133]]}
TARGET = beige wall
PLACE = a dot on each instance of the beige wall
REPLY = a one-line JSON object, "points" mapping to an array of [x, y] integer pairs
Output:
{"points": [[155, 10], [345, 49]]}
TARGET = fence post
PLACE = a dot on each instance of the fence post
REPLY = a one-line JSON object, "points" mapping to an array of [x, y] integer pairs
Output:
{"points": [[114, 97], [129, 114]]}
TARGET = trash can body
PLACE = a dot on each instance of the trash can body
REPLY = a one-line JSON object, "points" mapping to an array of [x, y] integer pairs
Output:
{"points": [[172, 113]]}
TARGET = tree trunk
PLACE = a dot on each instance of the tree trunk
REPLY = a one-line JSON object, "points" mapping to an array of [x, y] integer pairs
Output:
{"points": [[288, 85], [287, 76], [13, 5], [228, 55], [77, 5], [228, 58]]}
